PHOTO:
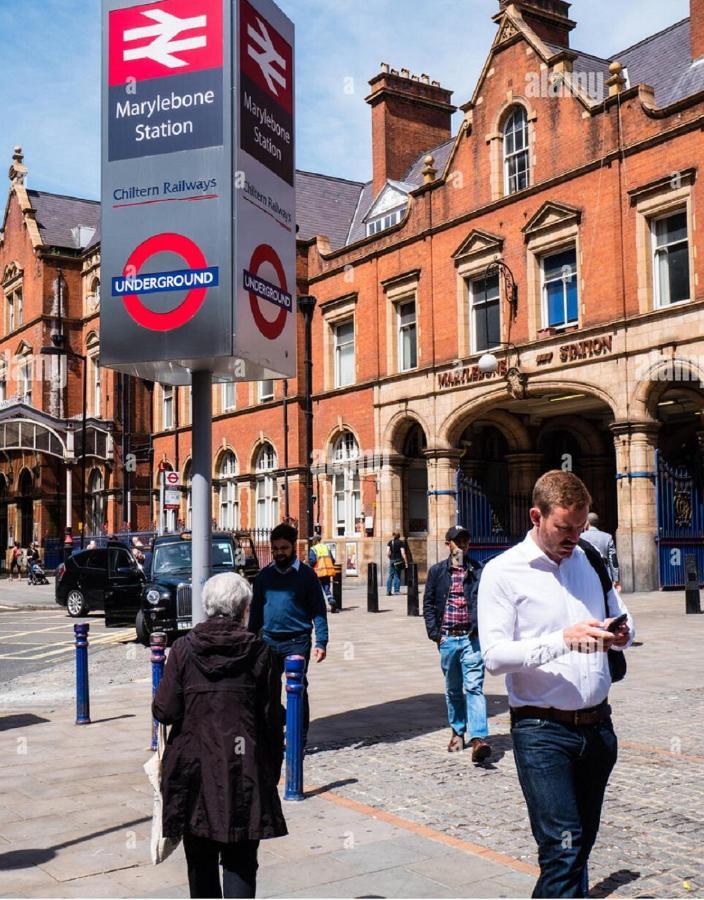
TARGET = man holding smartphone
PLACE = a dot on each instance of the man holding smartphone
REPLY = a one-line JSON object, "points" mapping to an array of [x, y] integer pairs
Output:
{"points": [[543, 624]]}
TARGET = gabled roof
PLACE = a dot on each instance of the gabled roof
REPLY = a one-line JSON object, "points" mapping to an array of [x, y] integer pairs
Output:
{"points": [[57, 215]]}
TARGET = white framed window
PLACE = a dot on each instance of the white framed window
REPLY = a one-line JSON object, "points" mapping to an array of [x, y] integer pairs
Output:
{"points": [[516, 152], [95, 367], [167, 407], [189, 498], [266, 390], [388, 220], [407, 335], [24, 379], [97, 502], [3, 379], [670, 236], [485, 313], [11, 313], [343, 335], [229, 397], [228, 495], [559, 289], [346, 485], [267, 492], [19, 307]]}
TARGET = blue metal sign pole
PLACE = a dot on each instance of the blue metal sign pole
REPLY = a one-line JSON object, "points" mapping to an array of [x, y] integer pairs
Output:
{"points": [[201, 488], [295, 669]]}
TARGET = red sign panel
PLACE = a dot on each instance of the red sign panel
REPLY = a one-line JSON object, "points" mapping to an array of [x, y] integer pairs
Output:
{"points": [[266, 57], [155, 40]]}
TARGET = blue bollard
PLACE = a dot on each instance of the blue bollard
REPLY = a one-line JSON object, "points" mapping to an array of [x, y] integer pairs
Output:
{"points": [[82, 692], [294, 666], [157, 644]]}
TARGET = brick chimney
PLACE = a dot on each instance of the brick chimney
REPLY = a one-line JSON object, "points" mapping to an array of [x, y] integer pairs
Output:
{"points": [[410, 114], [696, 27], [549, 19]]}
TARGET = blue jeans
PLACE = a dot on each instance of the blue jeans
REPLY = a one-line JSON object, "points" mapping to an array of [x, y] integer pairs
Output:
{"points": [[462, 666], [393, 579], [563, 771], [297, 646]]}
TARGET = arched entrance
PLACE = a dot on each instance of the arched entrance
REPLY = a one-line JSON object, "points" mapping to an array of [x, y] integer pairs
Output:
{"points": [[3, 520], [415, 486], [25, 508], [679, 482], [505, 448]]}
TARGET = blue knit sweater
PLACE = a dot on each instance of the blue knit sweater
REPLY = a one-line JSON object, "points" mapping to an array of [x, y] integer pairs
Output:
{"points": [[288, 603]]}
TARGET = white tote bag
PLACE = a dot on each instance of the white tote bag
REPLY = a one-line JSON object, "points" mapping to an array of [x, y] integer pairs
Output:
{"points": [[161, 847]]}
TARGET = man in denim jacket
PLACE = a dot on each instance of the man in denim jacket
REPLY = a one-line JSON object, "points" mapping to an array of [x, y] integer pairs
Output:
{"points": [[450, 612]]}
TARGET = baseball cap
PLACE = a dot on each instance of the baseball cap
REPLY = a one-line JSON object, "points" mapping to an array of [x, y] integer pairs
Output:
{"points": [[455, 532]]}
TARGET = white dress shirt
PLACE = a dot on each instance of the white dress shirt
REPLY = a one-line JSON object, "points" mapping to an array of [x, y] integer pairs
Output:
{"points": [[525, 602]]}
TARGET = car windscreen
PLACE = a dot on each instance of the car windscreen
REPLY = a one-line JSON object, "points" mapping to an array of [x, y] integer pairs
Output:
{"points": [[173, 559]]}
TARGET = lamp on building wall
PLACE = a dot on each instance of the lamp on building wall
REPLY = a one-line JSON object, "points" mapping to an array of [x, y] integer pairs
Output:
{"points": [[60, 348], [306, 304], [488, 364]]}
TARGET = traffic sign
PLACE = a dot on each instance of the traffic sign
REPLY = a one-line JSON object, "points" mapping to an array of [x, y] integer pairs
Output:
{"points": [[261, 289], [172, 479]]}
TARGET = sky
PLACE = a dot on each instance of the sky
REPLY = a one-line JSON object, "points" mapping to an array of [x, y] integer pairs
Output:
{"points": [[50, 72]]}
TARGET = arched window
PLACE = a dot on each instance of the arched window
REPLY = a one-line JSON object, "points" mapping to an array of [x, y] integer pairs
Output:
{"points": [[229, 516], [97, 502], [346, 487], [95, 292], [93, 347], [267, 514], [516, 151]]}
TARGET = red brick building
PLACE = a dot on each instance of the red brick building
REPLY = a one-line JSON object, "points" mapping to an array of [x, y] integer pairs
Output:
{"points": [[579, 175]]}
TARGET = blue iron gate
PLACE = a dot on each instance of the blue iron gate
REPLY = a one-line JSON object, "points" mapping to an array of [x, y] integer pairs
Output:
{"points": [[680, 506], [494, 524]]}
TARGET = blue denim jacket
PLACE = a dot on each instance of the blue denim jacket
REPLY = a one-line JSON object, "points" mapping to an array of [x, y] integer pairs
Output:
{"points": [[437, 590]]}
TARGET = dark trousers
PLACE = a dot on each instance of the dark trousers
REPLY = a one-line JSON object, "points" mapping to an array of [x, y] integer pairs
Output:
{"points": [[295, 646], [239, 862], [563, 771]]}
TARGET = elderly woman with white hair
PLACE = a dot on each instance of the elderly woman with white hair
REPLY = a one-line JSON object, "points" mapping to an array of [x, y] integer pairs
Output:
{"points": [[221, 693]]}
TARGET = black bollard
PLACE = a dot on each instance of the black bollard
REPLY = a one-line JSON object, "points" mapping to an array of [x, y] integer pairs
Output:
{"points": [[337, 587], [412, 596], [372, 589], [691, 593]]}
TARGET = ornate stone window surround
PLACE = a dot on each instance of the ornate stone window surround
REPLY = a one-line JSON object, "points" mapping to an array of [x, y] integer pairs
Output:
{"points": [[400, 289], [671, 194], [471, 260], [334, 313], [495, 141]]}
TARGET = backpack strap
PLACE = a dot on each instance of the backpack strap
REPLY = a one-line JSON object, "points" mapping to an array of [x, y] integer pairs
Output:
{"points": [[599, 566]]}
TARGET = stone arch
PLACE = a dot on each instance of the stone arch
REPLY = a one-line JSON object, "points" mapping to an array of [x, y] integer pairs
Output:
{"points": [[259, 444], [221, 453], [590, 440], [399, 426], [483, 410], [661, 375], [334, 435]]}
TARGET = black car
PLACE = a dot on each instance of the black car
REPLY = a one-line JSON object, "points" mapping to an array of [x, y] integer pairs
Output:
{"points": [[166, 597], [104, 578]]}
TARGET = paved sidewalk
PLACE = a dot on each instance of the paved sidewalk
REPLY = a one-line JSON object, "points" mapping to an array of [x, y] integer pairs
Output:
{"points": [[389, 812]]}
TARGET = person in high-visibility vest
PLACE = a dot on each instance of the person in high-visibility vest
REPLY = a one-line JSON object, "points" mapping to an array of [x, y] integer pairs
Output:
{"points": [[322, 560]]}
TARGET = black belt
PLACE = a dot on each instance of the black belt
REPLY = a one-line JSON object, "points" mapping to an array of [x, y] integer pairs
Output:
{"points": [[456, 632], [592, 715]]}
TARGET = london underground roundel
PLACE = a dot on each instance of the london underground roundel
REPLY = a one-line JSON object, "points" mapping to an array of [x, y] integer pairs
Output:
{"points": [[196, 277], [260, 290]]}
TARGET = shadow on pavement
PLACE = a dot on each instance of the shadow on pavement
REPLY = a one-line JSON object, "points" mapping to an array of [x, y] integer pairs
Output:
{"points": [[21, 720], [396, 720], [612, 882], [343, 782], [113, 718], [24, 859]]}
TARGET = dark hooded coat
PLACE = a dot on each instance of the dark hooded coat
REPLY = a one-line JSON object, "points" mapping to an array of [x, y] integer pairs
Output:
{"points": [[222, 763]]}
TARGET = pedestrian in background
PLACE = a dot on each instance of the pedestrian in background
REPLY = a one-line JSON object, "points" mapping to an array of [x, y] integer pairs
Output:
{"points": [[450, 612], [398, 560], [16, 561], [288, 604], [543, 623], [221, 692], [322, 559], [605, 544]]}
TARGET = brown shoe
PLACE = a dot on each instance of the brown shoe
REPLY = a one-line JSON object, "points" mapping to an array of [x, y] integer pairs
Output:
{"points": [[480, 750], [456, 743]]}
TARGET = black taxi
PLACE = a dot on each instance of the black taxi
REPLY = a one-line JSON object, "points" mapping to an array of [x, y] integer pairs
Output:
{"points": [[166, 596]]}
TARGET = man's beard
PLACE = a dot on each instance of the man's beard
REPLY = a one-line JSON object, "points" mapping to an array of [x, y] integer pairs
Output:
{"points": [[285, 562]]}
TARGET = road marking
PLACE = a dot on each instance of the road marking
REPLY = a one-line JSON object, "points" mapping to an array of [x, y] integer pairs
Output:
{"points": [[67, 647], [15, 634]]}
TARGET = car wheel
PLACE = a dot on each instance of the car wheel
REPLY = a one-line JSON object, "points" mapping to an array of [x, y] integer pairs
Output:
{"points": [[142, 628], [75, 604]]}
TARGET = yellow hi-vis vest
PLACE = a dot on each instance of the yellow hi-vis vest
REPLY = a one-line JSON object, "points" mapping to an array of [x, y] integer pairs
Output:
{"points": [[324, 566]]}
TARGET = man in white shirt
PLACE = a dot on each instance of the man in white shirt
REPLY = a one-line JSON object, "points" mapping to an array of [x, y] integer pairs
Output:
{"points": [[542, 623]]}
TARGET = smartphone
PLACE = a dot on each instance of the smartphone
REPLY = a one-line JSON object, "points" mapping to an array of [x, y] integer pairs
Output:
{"points": [[619, 620]]}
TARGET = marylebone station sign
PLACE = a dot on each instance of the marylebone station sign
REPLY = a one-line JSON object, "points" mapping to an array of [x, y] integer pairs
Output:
{"points": [[198, 197]]}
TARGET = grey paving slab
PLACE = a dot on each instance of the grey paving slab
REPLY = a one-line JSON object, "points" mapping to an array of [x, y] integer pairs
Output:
{"points": [[456, 869], [394, 882]]}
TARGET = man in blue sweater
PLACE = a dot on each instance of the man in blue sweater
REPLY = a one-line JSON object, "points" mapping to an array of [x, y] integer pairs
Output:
{"points": [[288, 603]]}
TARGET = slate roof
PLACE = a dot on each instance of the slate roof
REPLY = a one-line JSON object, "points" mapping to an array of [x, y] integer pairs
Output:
{"points": [[325, 206], [56, 215]]}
